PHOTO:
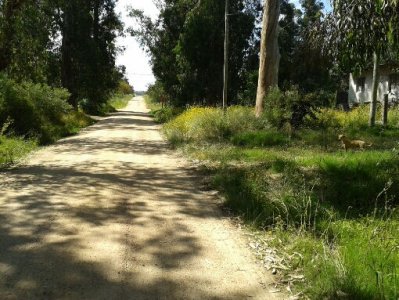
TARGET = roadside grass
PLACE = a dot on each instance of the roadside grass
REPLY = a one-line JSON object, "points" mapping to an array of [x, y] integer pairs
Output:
{"points": [[332, 215], [335, 214], [161, 114], [13, 149], [119, 101], [165, 114], [73, 122]]}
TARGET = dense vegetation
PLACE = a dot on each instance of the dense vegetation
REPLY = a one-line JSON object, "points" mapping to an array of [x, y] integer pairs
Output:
{"points": [[62, 44]]}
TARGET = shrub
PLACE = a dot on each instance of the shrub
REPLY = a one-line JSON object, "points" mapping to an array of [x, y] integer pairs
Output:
{"points": [[118, 101], [166, 114], [124, 88], [33, 110], [211, 124], [288, 107], [242, 119], [157, 93]]}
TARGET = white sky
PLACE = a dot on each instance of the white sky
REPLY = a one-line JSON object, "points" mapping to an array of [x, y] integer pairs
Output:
{"points": [[138, 69]]}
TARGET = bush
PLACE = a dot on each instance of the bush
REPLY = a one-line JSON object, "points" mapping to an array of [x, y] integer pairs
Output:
{"points": [[33, 110], [124, 88], [157, 93], [118, 101], [166, 114], [288, 107], [211, 124], [294, 108]]}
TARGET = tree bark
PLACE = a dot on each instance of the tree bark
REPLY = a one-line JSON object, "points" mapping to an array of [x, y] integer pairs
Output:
{"points": [[269, 53], [373, 105]]}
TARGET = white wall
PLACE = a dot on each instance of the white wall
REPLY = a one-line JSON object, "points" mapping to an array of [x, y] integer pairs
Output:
{"points": [[366, 95]]}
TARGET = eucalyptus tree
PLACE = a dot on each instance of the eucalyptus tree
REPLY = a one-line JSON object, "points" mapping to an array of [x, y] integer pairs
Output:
{"points": [[87, 52], [269, 53]]}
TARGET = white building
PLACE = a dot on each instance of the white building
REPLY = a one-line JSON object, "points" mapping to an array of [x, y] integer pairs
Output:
{"points": [[361, 87]]}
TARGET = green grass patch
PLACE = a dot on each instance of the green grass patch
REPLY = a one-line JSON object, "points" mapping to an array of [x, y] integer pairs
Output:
{"points": [[13, 149], [119, 101], [260, 139], [333, 214]]}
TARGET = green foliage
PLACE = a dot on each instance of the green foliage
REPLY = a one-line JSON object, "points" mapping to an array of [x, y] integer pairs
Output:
{"points": [[211, 124], [72, 123], [119, 101], [333, 214], [188, 36], [314, 203], [34, 110], [25, 31], [124, 88], [288, 108], [158, 105], [156, 94], [353, 258], [12, 149], [166, 114], [32, 107], [355, 30]]}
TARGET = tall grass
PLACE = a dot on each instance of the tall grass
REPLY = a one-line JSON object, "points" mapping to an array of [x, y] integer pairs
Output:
{"points": [[333, 214], [120, 101]]}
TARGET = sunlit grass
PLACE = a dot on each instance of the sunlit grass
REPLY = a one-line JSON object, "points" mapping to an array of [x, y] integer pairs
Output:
{"points": [[13, 149], [120, 101], [333, 214]]}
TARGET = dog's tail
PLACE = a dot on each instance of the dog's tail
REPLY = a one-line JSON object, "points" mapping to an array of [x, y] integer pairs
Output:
{"points": [[369, 145]]}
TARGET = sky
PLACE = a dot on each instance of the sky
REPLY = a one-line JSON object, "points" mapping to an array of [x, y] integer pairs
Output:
{"points": [[138, 68]]}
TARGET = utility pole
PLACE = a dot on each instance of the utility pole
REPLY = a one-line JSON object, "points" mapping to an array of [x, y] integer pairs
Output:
{"points": [[226, 55]]}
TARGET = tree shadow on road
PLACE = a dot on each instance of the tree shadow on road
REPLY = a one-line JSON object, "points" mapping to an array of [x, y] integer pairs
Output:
{"points": [[62, 225]]}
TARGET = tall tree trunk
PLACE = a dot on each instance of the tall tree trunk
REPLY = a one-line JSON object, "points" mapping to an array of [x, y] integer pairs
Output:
{"points": [[269, 52], [373, 105]]}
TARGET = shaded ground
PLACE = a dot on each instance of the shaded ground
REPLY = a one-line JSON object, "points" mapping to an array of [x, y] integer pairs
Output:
{"points": [[112, 214]]}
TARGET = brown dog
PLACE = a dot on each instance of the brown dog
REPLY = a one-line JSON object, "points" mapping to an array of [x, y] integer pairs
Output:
{"points": [[352, 144]]}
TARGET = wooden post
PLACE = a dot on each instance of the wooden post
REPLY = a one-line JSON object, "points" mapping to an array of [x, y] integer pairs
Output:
{"points": [[385, 107]]}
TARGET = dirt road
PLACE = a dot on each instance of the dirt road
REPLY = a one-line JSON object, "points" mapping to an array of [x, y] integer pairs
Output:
{"points": [[113, 214]]}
